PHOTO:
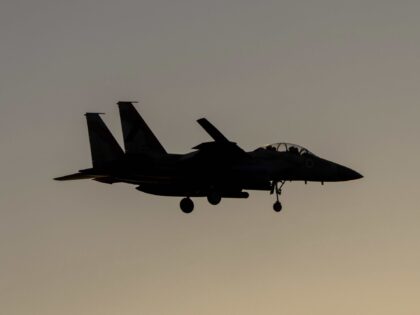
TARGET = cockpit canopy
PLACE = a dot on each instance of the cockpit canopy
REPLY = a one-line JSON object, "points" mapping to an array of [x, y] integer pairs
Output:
{"points": [[287, 147]]}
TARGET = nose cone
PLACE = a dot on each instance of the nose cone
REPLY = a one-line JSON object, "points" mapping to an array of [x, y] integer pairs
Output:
{"points": [[345, 173]]}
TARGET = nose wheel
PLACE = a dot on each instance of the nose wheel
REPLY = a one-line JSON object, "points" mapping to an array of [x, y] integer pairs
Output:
{"points": [[277, 206]]}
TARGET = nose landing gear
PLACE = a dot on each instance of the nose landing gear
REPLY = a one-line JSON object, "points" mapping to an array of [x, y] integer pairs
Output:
{"points": [[277, 206]]}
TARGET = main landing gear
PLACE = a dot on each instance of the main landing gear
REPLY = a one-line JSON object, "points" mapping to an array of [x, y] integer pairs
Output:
{"points": [[214, 198], [277, 206], [187, 205]]}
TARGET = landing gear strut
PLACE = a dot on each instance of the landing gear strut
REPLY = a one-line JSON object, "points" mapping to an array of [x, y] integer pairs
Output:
{"points": [[187, 205], [277, 189]]}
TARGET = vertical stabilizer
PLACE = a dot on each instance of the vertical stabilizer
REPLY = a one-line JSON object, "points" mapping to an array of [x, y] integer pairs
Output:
{"points": [[138, 138], [104, 148]]}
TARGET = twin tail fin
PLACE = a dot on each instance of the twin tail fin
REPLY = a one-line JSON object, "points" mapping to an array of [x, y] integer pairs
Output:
{"points": [[138, 138], [103, 146]]}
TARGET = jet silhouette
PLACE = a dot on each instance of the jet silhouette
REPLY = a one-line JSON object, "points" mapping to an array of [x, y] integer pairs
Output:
{"points": [[216, 169]]}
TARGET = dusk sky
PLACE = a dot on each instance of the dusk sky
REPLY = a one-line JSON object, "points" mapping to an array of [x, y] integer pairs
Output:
{"points": [[341, 78]]}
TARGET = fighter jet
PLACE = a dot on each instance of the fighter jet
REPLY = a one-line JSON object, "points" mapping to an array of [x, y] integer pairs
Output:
{"points": [[216, 169]]}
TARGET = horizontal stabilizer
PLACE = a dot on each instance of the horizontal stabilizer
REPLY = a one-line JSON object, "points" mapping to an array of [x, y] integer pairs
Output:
{"points": [[76, 176], [212, 130]]}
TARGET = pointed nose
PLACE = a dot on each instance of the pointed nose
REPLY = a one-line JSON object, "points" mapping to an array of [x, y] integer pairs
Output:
{"points": [[346, 173]]}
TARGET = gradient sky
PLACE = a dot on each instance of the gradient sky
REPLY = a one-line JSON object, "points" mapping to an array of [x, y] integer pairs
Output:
{"points": [[339, 77]]}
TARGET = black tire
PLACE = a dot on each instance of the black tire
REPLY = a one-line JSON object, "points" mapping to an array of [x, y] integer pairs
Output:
{"points": [[214, 199], [277, 206], [186, 205]]}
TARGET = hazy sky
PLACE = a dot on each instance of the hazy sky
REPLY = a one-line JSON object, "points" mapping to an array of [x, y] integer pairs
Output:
{"points": [[339, 77]]}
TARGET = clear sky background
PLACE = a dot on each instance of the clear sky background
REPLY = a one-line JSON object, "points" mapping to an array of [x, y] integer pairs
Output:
{"points": [[339, 77]]}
